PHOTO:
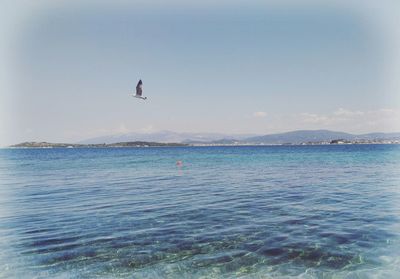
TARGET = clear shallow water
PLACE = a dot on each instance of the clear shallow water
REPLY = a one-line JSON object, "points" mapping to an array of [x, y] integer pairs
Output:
{"points": [[230, 212]]}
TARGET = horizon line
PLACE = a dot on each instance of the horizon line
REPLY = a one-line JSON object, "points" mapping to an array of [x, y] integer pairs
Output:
{"points": [[218, 133]]}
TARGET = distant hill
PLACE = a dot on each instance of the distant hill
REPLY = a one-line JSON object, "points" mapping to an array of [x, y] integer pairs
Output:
{"points": [[304, 136], [379, 136], [301, 136], [164, 136], [219, 142], [294, 137], [34, 144]]}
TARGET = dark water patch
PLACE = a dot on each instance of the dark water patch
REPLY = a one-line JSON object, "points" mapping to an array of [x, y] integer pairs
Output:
{"points": [[39, 231], [337, 238], [295, 221], [60, 258], [53, 249], [53, 241], [271, 251]]}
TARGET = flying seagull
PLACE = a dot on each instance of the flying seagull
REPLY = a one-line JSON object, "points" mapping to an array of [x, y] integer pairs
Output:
{"points": [[139, 90]]}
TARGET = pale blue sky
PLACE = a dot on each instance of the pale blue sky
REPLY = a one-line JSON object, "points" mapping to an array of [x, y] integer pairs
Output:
{"points": [[231, 68]]}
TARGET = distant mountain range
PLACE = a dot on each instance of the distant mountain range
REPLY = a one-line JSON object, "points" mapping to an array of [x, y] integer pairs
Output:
{"points": [[165, 136], [294, 137], [303, 136], [34, 144]]}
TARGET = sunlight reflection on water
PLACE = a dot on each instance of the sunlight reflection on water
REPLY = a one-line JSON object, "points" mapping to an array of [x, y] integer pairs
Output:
{"points": [[267, 212]]}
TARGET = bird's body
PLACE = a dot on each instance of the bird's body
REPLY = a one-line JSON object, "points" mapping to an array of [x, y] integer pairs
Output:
{"points": [[139, 90]]}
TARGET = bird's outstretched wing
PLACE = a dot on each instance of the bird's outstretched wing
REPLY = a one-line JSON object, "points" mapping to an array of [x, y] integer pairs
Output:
{"points": [[139, 88]]}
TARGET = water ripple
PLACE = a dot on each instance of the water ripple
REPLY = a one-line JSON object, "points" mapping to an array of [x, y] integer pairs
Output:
{"points": [[248, 212]]}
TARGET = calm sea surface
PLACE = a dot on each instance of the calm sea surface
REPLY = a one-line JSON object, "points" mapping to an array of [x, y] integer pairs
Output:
{"points": [[229, 212]]}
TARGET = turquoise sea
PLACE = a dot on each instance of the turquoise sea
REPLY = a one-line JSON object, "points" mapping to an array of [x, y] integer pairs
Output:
{"points": [[229, 212]]}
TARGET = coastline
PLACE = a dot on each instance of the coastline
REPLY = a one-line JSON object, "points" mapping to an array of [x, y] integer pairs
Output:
{"points": [[82, 146]]}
